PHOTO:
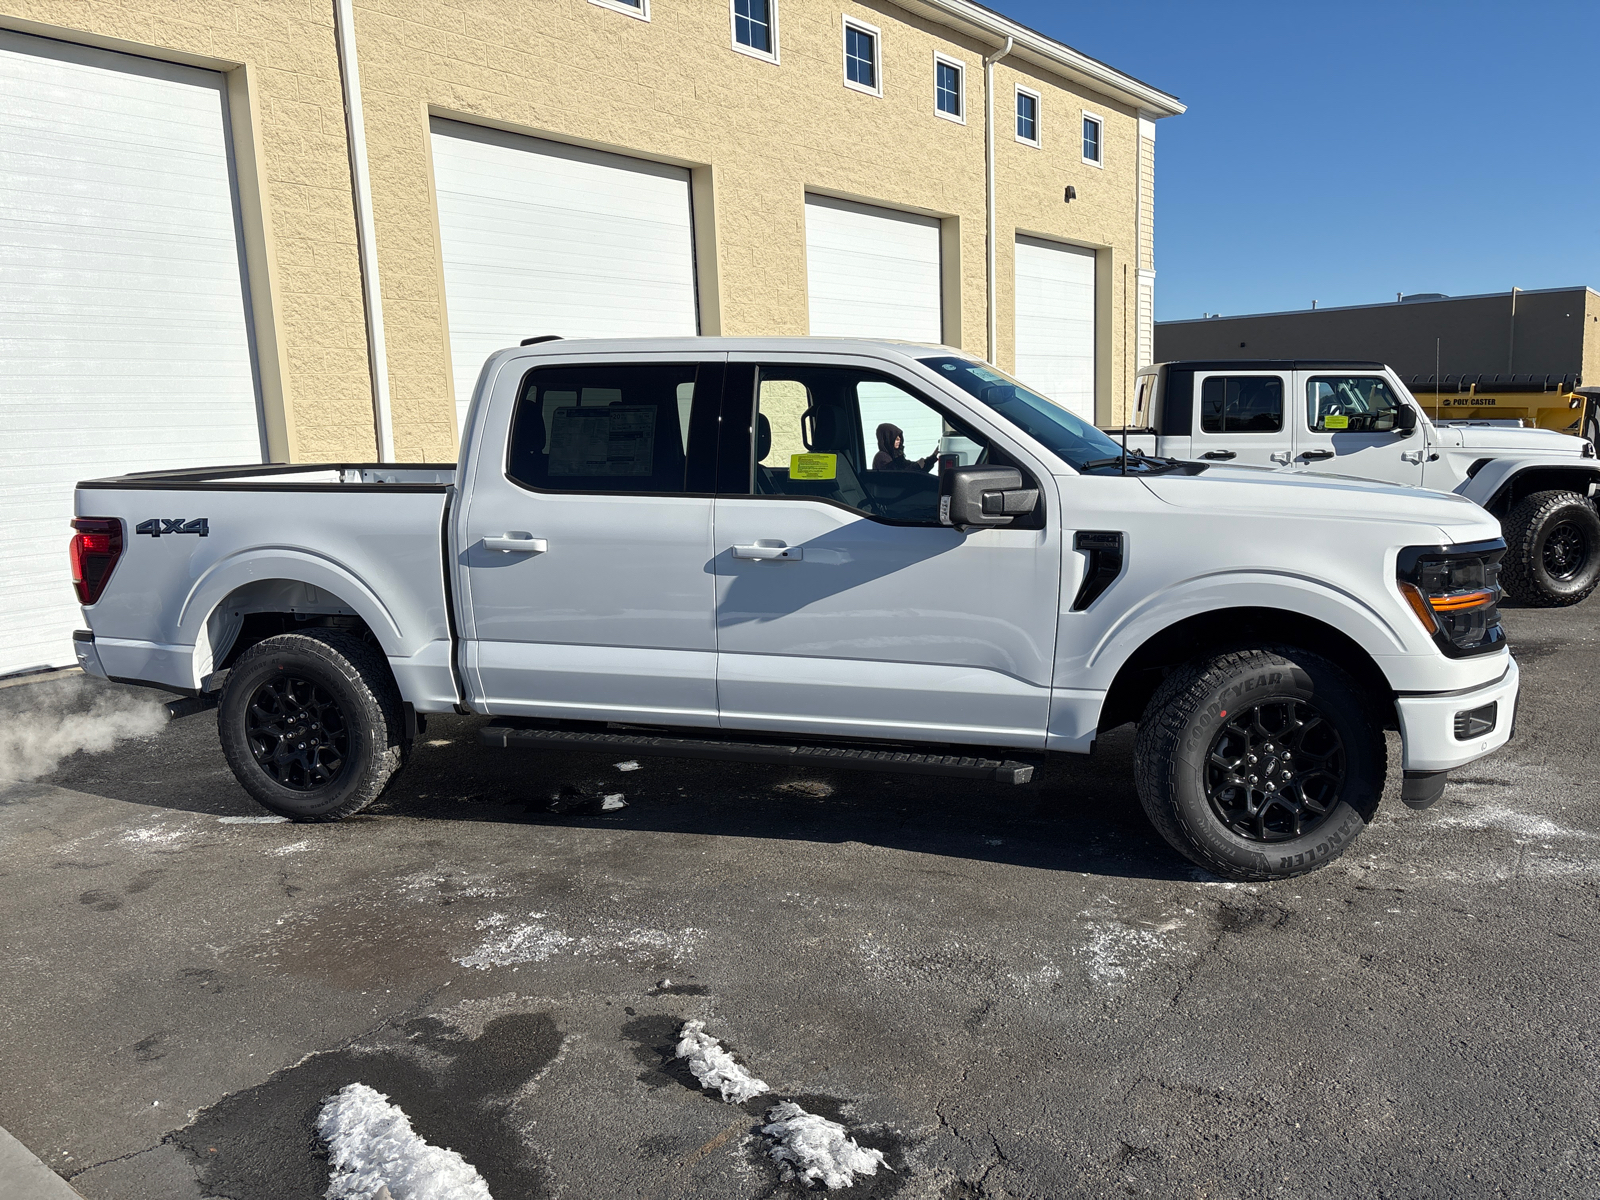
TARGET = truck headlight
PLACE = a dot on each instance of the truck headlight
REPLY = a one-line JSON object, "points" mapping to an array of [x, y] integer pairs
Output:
{"points": [[1455, 592]]}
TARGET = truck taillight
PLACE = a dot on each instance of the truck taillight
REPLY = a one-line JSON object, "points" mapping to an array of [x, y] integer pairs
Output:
{"points": [[95, 548]]}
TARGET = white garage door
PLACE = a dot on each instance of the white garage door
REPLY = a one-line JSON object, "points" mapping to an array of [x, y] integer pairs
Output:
{"points": [[872, 272], [1055, 322], [124, 329], [540, 237]]}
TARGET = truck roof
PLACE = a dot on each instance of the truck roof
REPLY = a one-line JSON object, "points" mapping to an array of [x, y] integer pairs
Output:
{"points": [[703, 345], [1268, 364]]}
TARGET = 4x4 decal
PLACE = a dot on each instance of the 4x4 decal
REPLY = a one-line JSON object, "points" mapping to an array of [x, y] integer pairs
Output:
{"points": [[156, 526]]}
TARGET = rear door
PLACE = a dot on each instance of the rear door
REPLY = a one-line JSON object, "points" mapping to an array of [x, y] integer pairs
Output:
{"points": [[843, 606], [585, 545], [1347, 424], [1240, 417]]}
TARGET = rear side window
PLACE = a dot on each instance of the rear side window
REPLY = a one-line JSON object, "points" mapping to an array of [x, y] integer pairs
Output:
{"points": [[1241, 404], [608, 428]]}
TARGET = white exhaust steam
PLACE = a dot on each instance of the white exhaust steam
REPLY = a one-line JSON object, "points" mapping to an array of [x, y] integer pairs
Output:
{"points": [[43, 723]]}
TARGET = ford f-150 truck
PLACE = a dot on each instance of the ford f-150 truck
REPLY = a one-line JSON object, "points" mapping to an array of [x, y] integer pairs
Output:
{"points": [[848, 553], [1358, 419]]}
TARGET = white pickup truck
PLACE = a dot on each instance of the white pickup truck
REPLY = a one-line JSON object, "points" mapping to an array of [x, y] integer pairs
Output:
{"points": [[841, 553], [1358, 419]]}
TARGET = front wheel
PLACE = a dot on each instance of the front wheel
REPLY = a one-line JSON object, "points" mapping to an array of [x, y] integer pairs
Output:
{"points": [[311, 724], [1552, 549], [1259, 764]]}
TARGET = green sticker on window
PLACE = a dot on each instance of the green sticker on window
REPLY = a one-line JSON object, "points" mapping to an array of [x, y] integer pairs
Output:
{"points": [[1336, 422], [813, 466]]}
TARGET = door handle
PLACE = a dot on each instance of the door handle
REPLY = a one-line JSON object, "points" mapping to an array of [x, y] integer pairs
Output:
{"points": [[1316, 455], [515, 542], [768, 549], [1219, 454], [1280, 456], [1411, 456]]}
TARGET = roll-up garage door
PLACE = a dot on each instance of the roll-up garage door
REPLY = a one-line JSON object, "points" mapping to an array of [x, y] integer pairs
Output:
{"points": [[1055, 322], [540, 237], [872, 272], [124, 326]]}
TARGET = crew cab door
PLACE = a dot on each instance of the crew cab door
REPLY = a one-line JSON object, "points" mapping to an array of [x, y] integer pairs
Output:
{"points": [[1348, 423], [1239, 418], [844, 607], [584, 543]]}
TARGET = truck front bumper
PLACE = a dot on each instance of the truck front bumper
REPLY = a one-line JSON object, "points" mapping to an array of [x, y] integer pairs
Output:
{"points": [[1444, 730]]}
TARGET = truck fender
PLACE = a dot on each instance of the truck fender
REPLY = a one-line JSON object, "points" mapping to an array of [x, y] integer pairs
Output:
{"points": [[264, 563], [1498, 476], [1199, 595]]}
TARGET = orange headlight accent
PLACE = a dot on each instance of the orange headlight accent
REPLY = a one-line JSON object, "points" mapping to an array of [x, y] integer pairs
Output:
{"points": [[1462, 601], [1419, 605]]}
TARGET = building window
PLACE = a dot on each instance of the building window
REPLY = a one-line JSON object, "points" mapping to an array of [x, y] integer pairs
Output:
{"points": [[1027, 116], [634, 8], [949, 87], [755, 28], [1093, 140], [861, 67]]}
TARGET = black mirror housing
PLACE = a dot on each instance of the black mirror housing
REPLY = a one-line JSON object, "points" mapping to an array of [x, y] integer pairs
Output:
{"points": [[983, 497], [1405, 421]]}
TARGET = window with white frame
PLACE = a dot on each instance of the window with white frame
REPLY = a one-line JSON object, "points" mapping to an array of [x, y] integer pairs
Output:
{"points": [[862, 68], [949, 88], [634, 8], [755, 27], [1093, 140], [1027, 116]]}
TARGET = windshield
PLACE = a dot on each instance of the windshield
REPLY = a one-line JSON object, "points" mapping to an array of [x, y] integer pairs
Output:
{"points": [[1069, 437]]}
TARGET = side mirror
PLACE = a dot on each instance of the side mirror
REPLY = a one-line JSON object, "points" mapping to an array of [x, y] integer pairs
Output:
{"points": [[983, 497], [1405, 421]]}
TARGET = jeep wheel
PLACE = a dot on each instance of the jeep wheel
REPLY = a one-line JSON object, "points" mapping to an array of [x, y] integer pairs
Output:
{"points": [[1260, 763], [1552, 549], [311, 724]]}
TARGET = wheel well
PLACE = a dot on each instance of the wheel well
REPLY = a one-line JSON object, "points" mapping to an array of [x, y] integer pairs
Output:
{"points": [[1231, 629], [268, 607], [1540, 479]]}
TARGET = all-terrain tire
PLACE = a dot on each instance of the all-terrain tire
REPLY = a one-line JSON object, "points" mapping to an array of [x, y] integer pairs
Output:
{"points": [[312, 724], [1176, 771], [1552, 549]]}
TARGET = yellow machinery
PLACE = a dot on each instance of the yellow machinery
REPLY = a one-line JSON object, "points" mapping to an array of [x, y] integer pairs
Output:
{"points": [[1550, 404]]}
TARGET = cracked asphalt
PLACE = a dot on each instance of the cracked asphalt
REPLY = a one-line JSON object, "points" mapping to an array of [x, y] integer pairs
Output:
{"points": [[1011, 993]]}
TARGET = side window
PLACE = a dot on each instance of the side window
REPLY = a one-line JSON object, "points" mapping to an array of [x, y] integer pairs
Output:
{"points": [[857, 439], [605, 428], [1241, 404], [1350, 404]]}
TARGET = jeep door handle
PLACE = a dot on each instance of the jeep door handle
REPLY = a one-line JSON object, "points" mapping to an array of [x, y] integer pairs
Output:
{"points": [[1316, 455], [515, 543], [1219, 454], [767, 549], [1280, 456], [1411, 456]]}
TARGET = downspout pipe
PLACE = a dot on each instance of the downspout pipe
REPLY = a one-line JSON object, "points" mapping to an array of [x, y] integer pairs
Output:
{"points": [[344, 25], [989, 61]]}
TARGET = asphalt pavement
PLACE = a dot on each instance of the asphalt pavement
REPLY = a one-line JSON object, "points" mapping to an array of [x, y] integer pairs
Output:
{"points": [[1009, 991]]}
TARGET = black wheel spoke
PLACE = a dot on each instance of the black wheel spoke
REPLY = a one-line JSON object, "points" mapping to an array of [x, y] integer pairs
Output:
{"points": [[297, 733], [1275, 771]]}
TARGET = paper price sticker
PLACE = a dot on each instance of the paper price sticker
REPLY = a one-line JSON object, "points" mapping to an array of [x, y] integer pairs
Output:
{"points": [[813, 466], [1336, 422]]}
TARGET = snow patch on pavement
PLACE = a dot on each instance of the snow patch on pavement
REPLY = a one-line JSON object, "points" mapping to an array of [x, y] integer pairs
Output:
{"points": [[1509, 820], [630, 765], [613, 802], [292, 848], [152, 835], [714, 1067], [374, 1152], [252, 820], [814, 1149], [1114, 950], [511, 944]]}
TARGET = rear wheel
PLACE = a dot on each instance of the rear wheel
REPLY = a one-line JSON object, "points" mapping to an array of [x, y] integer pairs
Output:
{"points": [[1260, 763], [1552, 549], [311, 724]]}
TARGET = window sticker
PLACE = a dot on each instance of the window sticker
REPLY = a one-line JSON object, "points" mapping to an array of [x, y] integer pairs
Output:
{"points": [[617, 440], [813, 466], [1336, 421]]}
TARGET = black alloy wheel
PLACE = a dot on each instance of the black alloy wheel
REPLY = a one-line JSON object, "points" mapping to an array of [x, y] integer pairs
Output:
{"points": [[297, 733], [1566, 551], [1275, 771]]}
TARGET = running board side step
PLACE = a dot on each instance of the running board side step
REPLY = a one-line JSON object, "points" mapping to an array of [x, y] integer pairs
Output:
{"points": [[991, 770]]}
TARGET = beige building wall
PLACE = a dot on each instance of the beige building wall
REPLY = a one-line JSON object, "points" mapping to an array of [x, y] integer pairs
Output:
{"points": [[757, 136]]}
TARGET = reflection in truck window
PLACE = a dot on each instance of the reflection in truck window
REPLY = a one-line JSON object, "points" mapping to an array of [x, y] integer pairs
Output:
{"points": [[1241, 404], [1350, 404]]}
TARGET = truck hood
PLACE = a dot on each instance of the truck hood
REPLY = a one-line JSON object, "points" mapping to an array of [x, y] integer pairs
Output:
{"points": [[1261, 490], [1507, 440]]}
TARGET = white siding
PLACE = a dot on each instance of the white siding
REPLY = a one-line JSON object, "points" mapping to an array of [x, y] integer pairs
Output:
{"points": [[872, 272], [540, 237], [1055, 322], [124, 331]]}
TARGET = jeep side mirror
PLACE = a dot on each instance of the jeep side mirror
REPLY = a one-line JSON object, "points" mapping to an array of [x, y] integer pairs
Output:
{"points": [[1405, 420], [983, 497]]}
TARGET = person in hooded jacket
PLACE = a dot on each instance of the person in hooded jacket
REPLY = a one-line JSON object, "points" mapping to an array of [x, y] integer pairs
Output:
{"points": [[891, 454]]}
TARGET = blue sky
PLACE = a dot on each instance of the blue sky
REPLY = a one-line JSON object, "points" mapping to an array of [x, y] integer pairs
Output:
{"points": [[1343, 152]]}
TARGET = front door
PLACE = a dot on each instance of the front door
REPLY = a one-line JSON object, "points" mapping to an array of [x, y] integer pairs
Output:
{"points": [[586, 545], [1239, 418], [1348, 424], [843, 607]]}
